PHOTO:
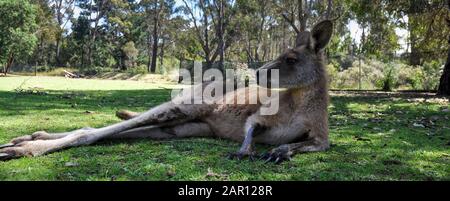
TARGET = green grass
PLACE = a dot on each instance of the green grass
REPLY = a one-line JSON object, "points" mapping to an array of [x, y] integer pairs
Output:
{"points": [[373, 138]]}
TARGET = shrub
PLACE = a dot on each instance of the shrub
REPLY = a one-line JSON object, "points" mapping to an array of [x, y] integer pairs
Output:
{"points": [[43, 68], [332, 74], [389, 79], [142, 69], [386, 76], [371, 71], [91, 71], [431, 75]]}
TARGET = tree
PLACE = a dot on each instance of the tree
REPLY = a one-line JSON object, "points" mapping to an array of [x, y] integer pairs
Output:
{"points": [[46, 33], [118, 28], [78, 40], [157, 15], [257, 23], [425, 22], [94, 11], [17, 39], [63, 11], [212, 30]]}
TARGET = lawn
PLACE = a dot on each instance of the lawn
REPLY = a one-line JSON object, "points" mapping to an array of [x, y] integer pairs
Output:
{"points": [[374, 136]]}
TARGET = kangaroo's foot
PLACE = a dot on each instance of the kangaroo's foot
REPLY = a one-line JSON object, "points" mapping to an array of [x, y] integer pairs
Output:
{"points": [[277, 155], [241, 155], [286, 151], [39, 135], [42, 142], [25, 148]]}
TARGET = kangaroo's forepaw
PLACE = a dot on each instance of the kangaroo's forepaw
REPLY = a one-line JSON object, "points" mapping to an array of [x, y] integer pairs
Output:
{"points": [[277, 155], [241, 155]]}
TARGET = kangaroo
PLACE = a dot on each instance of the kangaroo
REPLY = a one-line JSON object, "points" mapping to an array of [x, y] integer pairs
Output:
{"points": [[300, 125]]}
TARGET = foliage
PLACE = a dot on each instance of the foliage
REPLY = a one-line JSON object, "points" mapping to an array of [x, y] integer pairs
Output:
{"points": [[142, 69], [379, 75], [124, 34], [17, 27], [96, 70], [131, 54]]}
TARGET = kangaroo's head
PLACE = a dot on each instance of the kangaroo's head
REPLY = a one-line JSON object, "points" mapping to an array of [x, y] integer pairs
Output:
{"points": [[302, 66]]}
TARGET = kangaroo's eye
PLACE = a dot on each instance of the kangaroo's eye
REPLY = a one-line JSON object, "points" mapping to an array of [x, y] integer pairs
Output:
{"points": [[291, 61]]}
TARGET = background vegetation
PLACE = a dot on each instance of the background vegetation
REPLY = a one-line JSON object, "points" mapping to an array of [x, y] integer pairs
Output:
{"points": [[398, 44]]}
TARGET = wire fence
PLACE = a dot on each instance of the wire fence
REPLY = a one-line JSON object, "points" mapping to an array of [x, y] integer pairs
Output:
{"points": [[241, 69], [352, 72]]}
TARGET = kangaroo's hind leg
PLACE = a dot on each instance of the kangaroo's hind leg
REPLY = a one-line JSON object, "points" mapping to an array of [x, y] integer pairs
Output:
{"points": [[188, 129], [43, 135], [164, 115]]}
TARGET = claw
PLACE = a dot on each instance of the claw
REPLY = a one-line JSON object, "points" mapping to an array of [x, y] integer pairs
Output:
{"points": [[274, 157], [232, 156], [6, 145], [264, 156], [268, 160], [5, 156], [278, 160]]}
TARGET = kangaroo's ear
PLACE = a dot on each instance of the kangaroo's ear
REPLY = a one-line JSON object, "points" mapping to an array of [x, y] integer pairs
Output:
{"points": [[321, 34]]}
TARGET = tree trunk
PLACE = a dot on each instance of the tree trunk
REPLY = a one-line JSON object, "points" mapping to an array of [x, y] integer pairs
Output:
{"points": [[59, 18], [82, 55], [155, 34], [329, 7], [9, 63], [58, 50], [444, 83], [303, 13], [414, 56], [149, 52], [221, 36], [161, 54], [155, 46]]}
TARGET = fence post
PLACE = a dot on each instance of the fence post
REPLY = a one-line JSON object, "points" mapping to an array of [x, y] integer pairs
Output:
{"points": [[359, 84]]}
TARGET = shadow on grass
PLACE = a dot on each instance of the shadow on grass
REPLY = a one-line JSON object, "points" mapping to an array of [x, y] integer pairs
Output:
{"points": [[12, 103]]}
